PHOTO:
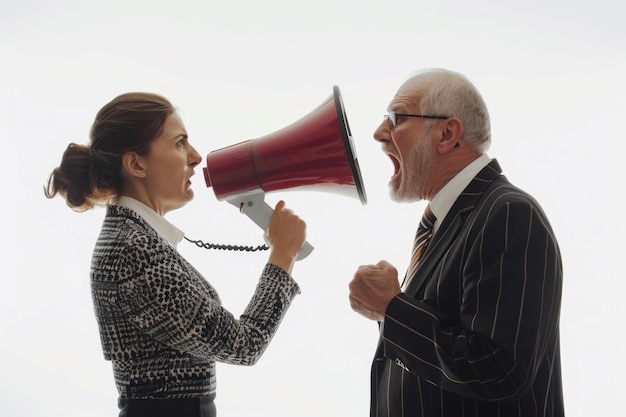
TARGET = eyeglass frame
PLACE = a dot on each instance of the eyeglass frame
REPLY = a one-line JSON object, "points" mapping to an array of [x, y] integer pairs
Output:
{"points": [[391, 117]]}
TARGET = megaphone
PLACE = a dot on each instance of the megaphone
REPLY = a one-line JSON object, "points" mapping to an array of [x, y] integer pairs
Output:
{"points": [[315, 152]]}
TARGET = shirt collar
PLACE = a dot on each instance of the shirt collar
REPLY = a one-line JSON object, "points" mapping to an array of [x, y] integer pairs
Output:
{"points": [[445, 198], [165, 229]]}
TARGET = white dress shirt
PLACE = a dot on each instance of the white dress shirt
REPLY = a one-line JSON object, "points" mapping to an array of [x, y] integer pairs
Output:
{"points": [[445, 198]]}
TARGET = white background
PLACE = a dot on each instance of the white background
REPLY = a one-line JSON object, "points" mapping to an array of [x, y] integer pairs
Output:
{"points": [[551, 72]]}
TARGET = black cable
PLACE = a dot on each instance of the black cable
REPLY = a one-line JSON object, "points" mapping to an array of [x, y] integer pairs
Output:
{"points": [[201, 244]]}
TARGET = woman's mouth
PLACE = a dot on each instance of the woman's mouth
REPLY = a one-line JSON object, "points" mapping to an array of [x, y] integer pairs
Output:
{"points": [[189, 180]]}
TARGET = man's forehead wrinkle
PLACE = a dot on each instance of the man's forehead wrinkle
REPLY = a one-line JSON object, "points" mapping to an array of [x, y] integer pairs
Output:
{"points": [[408, 100]]}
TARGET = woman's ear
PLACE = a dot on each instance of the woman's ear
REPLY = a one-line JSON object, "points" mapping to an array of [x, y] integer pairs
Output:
{"points": [[133, 165], [451, 134]]}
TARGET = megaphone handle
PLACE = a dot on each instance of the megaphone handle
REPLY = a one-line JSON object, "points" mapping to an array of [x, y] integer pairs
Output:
{"points": [[254, 206]]}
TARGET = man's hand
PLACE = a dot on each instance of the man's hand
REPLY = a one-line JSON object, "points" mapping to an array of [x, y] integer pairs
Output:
{"points": [[372, 288]]}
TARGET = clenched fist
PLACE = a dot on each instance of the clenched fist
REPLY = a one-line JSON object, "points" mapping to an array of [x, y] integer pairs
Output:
{"points": [[372, 288]]}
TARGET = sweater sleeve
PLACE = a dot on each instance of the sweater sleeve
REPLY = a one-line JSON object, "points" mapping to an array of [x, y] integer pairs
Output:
{"points": [[167, 301]]}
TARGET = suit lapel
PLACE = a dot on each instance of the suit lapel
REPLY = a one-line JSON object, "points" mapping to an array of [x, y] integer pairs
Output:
{"points": [[451, 226]]}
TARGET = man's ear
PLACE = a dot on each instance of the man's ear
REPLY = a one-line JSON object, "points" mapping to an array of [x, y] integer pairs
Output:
{"points": [[133, 165], [451, 132]]}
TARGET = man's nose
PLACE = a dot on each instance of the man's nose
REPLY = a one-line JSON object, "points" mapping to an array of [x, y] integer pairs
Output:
{"points": [[382, 132]]}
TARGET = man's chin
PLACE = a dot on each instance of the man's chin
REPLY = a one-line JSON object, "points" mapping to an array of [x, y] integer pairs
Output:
{"points": [[396, 196], [402, 196]]}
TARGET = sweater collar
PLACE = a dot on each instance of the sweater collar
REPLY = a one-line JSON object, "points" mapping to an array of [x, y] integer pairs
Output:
{"points": [[165, 229]]}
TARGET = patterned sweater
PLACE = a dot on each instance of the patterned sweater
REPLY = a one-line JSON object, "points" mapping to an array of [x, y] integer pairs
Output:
{"points": [[162, 324]]}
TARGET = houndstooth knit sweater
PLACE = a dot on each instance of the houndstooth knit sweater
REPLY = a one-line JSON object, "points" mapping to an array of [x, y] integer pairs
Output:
{"points": [[162, 324]]}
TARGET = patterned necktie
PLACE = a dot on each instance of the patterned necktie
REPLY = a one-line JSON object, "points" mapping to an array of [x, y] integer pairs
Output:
{"points": [[422, 237]]}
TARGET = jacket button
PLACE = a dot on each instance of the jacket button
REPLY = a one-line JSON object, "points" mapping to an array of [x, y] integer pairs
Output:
{"points": [[401, 364]]}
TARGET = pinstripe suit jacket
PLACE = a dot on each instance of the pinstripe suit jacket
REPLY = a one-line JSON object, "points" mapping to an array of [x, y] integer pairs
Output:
{"points": [[476, 332]]}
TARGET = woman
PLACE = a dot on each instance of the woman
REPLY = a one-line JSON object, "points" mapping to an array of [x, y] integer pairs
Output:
{"points": [[161, 323]]}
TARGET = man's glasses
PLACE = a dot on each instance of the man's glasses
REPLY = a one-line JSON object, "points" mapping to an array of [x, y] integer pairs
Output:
{"points": [[391, 117]]}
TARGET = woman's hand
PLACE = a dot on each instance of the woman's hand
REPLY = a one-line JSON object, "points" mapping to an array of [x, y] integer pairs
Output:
{"points": [[286, 235]]}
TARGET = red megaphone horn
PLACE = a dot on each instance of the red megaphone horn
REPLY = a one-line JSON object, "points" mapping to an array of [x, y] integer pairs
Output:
{"points": [[316, 152]]}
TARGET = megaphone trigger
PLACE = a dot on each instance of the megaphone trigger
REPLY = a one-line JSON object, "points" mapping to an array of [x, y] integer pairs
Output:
{"points": [[253, 205]]}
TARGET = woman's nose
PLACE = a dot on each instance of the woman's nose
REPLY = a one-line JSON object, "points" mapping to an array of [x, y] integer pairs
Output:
{"points": [[194, 157]]}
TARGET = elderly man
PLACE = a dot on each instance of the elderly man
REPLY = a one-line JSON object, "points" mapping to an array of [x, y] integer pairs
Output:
{"points": [[474, 328]]}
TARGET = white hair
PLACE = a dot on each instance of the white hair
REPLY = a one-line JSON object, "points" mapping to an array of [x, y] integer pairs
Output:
{"points": [[448, 93]]}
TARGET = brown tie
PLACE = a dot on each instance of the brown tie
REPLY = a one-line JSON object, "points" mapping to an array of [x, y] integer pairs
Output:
{"points": [[422, 237]]}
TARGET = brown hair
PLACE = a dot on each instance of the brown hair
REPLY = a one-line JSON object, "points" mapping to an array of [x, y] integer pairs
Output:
{"points": [[91, 175]]}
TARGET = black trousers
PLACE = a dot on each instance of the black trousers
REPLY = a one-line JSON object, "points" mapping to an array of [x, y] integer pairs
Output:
{"points": [[178, 407]]}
